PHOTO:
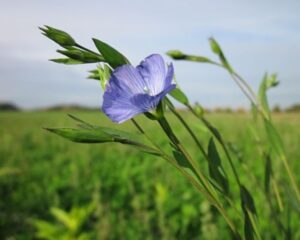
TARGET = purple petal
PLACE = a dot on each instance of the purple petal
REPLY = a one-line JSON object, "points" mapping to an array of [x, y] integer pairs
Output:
{"points": [[170, 75], [153, 71], [147, 102], [127, 79], [118, 108], [132, 91]]}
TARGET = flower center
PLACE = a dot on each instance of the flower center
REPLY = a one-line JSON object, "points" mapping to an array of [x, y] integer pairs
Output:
{"points": [[146, 90]]}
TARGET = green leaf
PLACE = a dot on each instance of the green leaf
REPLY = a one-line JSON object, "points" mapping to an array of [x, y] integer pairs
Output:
{"points": [[181, 160], [249, 210], [67, 61], [248, 227], [268, 173], [111, 55], [179, 96], [215, 47], [119, 136], [274, 138], [60, 37], [215, 167], [82, 135], [64, 218], [247, 201]]}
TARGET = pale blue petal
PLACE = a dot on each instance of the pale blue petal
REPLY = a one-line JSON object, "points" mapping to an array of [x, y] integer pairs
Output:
{"points": [[153, 71], [128, 78]]}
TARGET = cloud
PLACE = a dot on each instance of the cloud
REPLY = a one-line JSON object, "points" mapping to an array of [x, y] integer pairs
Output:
{"points": [[257, 36]]}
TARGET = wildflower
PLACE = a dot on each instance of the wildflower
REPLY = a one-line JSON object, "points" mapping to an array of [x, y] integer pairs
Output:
{"points": [[134, 90]]}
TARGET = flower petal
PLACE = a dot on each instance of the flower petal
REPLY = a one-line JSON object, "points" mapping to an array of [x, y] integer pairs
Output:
{"points": [[153, 71], [119, 108], [128, 79], [147, 102], [170, 75]]}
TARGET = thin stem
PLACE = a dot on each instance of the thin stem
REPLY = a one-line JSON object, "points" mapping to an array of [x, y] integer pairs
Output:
{"points": [[220, 140], [199, 145], [210, 198], [264, 115], [169, 132], [86, 49]]}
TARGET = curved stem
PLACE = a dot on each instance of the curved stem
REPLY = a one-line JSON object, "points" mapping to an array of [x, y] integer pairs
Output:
{"points": [[209, 197], [220, 140]]}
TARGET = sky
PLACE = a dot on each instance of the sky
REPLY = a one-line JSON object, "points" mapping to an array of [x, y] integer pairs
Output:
{"points": [[256, 36]]}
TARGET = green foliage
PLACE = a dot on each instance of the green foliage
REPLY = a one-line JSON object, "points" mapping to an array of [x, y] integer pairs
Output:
{"points": [[82, 135], [111, 55], [179, 96], [67, 225], [53, 172], [216, 170]]}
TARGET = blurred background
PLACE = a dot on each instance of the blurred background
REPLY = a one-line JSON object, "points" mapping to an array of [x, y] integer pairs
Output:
{"points": [[54, 189], [257, 37]]}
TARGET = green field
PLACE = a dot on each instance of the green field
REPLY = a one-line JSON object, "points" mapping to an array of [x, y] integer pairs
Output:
{"points": [[121, 192]]}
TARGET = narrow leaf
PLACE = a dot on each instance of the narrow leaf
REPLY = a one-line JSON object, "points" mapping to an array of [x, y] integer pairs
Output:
{"points": [[248, 227], [111, 55], [82, 135], [247, 201], [181, 160], [179, 96], [67, 61], [215, 167], [268, 173]]}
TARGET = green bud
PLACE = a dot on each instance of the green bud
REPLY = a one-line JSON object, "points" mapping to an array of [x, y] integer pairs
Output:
{"points": [[215, 47], [176, 54], [60, 37], [104, 75], [272, 81], [199, 110], [81, 55]]}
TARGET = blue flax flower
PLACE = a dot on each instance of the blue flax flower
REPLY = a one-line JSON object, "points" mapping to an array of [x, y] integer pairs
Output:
{"points": [[134, 90]]}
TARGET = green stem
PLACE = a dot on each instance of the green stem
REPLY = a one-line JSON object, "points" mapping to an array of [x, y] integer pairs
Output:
{"points": [[180, 118], [86, 49], [169, 132], [264, 115], [209, 197], [220, 140]]}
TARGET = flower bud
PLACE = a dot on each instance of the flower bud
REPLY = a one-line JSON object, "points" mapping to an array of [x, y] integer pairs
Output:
{"points": [[60, 37], [176, 54]]}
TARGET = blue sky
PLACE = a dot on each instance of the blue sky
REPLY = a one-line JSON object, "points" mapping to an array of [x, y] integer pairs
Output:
{"points": [[257, 36]]}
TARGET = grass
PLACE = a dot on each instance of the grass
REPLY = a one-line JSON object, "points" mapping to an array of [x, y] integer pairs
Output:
{"points": [[134, 195]]}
